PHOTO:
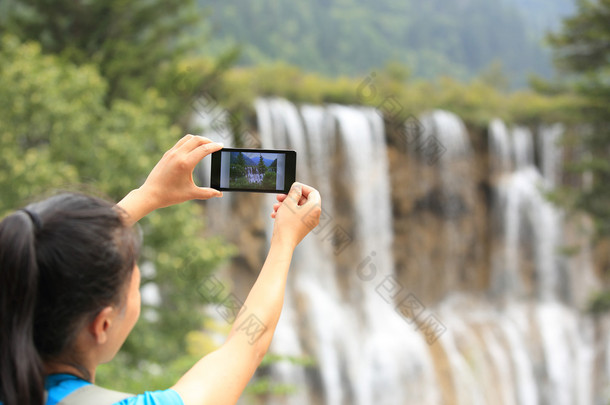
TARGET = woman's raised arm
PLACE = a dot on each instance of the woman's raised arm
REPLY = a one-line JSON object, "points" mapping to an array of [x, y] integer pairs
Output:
{"points": [[171, 180], [221, 376]]}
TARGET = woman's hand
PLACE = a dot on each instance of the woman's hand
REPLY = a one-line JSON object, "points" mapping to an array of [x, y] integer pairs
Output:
{"points": [[296, 214], [171, 180]]}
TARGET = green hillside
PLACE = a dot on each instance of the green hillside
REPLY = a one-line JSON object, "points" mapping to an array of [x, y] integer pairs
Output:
{"points": [[352, 37]]}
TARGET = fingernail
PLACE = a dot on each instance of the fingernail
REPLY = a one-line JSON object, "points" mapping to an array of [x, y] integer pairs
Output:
{"points": [[222, 145]]}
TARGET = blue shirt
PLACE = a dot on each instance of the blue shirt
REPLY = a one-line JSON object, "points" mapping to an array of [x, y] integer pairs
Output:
{"points": [[60, 386]]}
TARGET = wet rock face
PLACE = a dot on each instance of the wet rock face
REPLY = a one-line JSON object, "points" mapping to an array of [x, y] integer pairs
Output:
{"points": [[440, 210], [440, 204]]}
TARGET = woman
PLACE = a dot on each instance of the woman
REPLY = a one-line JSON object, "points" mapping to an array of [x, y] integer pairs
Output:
{"points": [[69, 290]]}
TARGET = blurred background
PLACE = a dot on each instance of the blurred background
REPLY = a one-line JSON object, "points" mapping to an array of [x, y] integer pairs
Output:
{"points": [[462, 152]]}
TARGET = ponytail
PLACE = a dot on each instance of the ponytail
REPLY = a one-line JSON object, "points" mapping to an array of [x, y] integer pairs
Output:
{"points": [[21, 369]]}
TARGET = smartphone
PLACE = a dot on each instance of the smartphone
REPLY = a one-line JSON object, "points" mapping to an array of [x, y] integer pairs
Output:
{"points": [[254, 170]]}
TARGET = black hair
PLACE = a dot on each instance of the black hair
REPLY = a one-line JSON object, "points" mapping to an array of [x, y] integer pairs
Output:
{"points": [[62, 260]]}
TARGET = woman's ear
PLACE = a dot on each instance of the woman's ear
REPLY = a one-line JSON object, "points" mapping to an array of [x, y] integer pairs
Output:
{"points": [[100, 326]]}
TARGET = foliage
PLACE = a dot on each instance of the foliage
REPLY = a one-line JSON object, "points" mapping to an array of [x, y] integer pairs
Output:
{"points": [[136, 45], [131, 42], [262, 167], [269, 180], [477, 101], [238, 166], [434, 38], [599, 303], [581, 49], [263, 386], [56, 132]]}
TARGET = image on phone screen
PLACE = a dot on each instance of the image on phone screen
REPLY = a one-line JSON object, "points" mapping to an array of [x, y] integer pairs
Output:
{"points": [[258, 170]]}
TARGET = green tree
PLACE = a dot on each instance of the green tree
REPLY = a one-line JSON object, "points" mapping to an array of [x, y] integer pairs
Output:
{"points": [[581, 48], [270, 179], [262, 168], [273, 166], [136, 45], [132, 42], [56, 131], [238, 167]]}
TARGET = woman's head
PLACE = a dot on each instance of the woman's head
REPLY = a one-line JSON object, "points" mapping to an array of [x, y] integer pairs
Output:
{"points": [[62, 262]]}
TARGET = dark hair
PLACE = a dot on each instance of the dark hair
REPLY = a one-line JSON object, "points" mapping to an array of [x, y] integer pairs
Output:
{"points": [[62, 262]]}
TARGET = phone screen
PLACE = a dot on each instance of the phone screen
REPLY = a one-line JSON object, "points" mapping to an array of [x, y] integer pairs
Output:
{"points": [[258, 170]]}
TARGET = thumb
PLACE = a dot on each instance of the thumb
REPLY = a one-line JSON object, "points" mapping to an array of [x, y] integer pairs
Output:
{"points": [[203, 193]]}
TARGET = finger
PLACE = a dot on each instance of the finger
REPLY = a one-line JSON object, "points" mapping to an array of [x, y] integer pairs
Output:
{"points": [[178, 144], [281, 197], [194, 143], [204, 193], [202, 151], [276, 206], [182, 141]]}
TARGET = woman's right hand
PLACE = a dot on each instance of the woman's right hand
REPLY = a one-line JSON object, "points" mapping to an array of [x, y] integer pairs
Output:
{"points": [[171, 180], [296, 214]]}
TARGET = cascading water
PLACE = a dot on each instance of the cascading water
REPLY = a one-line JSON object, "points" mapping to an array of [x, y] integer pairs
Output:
{"points": [[254, 175], [516, 340], [364, 351], [528, 264]]}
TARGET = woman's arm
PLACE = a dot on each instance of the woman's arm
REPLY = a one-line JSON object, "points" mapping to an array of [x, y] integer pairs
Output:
{"points": [[221, 376], [171, 180]]}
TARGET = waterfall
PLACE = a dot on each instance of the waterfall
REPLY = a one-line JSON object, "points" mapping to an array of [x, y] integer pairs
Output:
{"points": [[379, 331], [386, 361], [254, 175], [500, 148], [528, 264], [360, 344], [531, 226], [551, 152]]}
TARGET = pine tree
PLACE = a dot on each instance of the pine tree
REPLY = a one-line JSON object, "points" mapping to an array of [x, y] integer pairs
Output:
{"points": [[581, 48], [262, 168]]}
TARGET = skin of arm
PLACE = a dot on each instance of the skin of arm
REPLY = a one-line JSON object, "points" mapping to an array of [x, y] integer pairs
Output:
{"points": [[221, 376]]}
